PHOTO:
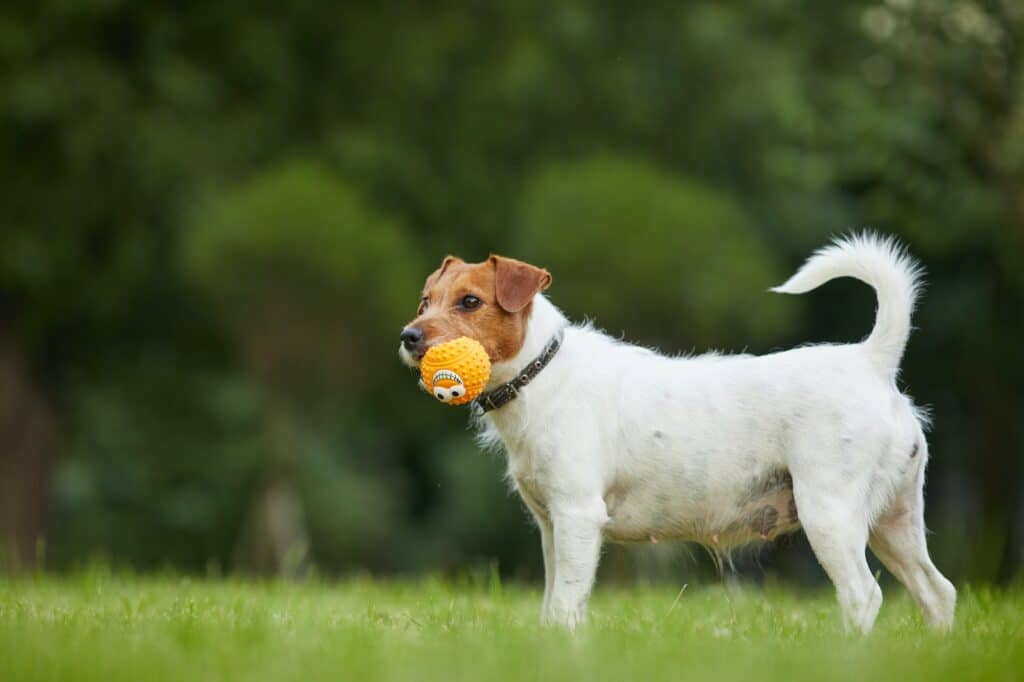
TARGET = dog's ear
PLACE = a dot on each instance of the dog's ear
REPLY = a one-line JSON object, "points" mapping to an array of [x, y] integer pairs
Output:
{"points": [[516, 282], [436, 274]]}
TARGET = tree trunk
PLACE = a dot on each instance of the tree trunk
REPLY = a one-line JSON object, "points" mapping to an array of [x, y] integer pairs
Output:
{"points": [[274, 540], [26, 442]]}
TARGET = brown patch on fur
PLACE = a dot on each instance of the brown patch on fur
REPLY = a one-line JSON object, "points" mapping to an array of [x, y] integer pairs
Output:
{"points": [[765, 510], [764, 521], [505, 288]]}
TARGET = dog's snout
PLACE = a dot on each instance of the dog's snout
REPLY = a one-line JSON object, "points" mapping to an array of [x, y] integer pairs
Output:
{"points": [[411, 337]]}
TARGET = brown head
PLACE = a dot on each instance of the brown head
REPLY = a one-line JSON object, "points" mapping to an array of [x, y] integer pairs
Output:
{"points": [[488, 301]]}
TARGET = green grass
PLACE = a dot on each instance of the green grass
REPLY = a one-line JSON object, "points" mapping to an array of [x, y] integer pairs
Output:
{"points": [[98, 627]]}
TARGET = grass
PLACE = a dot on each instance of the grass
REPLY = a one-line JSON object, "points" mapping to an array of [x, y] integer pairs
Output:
{"points": [[95, 626]]}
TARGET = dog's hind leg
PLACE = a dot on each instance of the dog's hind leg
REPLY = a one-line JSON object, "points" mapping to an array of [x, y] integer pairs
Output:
{"points": [[898, 539], [837, 529]]}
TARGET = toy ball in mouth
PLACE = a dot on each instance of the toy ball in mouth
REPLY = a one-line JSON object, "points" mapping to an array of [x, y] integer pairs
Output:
{"points": [[455, 372]]}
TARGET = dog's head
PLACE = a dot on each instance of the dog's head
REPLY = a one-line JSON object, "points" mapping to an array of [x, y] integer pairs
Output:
{"points": [[488, 301]]}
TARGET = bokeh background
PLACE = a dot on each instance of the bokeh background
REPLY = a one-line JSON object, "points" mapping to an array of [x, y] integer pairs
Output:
{"points": [[216, 216]]}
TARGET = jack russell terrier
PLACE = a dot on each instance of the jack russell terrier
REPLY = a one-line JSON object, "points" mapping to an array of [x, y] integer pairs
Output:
{"points": [[610, 441]]}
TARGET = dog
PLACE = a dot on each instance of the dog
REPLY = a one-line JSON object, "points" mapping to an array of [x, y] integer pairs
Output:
{"points": [[607, 441]]}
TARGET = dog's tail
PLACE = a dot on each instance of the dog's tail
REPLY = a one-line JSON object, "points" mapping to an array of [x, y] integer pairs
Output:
{"points": [[886, 266]]}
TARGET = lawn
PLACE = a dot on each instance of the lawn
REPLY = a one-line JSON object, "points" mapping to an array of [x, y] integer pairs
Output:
{"points": [[96, 626]]}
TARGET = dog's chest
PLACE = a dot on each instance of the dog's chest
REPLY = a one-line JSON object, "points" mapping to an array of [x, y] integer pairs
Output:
{"points": [[526, 473]]}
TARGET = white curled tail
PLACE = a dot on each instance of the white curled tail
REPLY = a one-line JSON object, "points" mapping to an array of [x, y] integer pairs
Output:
{"points": [[886, 266]]}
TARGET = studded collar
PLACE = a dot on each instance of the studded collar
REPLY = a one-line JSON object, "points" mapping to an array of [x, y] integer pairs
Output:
{"points": [[507, 392]]}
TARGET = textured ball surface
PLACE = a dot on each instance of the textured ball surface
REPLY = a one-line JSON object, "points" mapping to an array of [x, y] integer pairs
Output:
{"points": [[455, 372]]}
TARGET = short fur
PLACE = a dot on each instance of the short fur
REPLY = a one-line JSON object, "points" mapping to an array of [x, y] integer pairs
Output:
{"points": [[612, 442]]}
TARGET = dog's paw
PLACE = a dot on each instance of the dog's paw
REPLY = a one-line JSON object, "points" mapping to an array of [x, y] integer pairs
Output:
{"points": [[563, 615]]}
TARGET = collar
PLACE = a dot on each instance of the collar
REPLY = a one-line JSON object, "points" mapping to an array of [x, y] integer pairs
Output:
{"points": [[507, 392]]}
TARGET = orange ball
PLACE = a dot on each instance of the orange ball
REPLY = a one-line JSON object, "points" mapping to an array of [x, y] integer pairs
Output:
{"points": [[455, 372]]}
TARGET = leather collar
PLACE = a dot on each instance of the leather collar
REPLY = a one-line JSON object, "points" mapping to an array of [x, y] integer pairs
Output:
{"points": [[507, 392]]}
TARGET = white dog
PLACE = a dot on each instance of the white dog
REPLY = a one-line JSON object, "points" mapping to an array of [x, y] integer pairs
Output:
{"points": [[608, 441]]}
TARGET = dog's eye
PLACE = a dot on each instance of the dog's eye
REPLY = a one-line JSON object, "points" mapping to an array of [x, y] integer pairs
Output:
{"points": [[470, 302], [423, 306]]}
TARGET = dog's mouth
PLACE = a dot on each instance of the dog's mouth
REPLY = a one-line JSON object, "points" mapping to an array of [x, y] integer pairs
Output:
{"points": [[411, 358]]}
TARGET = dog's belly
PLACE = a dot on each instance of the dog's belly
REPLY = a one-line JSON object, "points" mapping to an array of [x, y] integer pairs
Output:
{"points": [[759, 508]]}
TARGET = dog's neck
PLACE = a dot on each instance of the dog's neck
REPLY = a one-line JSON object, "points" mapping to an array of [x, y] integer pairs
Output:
{"points": [[545, 322]]}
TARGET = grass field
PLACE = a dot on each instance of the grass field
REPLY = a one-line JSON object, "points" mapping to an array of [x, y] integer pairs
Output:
{"points": [[98, 627]]}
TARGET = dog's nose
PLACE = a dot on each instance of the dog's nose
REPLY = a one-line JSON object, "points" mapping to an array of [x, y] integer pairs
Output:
{"points": [[411, 337]]}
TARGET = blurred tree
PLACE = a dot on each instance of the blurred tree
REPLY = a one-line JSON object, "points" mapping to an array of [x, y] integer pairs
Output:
{"points": [[216, 216], [298, 262], [664, 257]]}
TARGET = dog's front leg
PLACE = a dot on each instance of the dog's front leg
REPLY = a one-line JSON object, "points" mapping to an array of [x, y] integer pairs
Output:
{"points": [[547, 543], [577, 547]]}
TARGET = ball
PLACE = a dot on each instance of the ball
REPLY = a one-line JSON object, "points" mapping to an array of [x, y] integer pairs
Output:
{"points": [[455, 372]]}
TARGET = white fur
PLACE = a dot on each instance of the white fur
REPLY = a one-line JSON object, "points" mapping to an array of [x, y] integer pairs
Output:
{"points": [[616, 442]]}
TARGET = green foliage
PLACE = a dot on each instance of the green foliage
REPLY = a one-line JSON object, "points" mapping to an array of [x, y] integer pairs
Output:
{"points": [[298, 223], [352, 509], [476, 522], [94, 627], [301, 265], [168, 463], [666, 258], [217, 217]]}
